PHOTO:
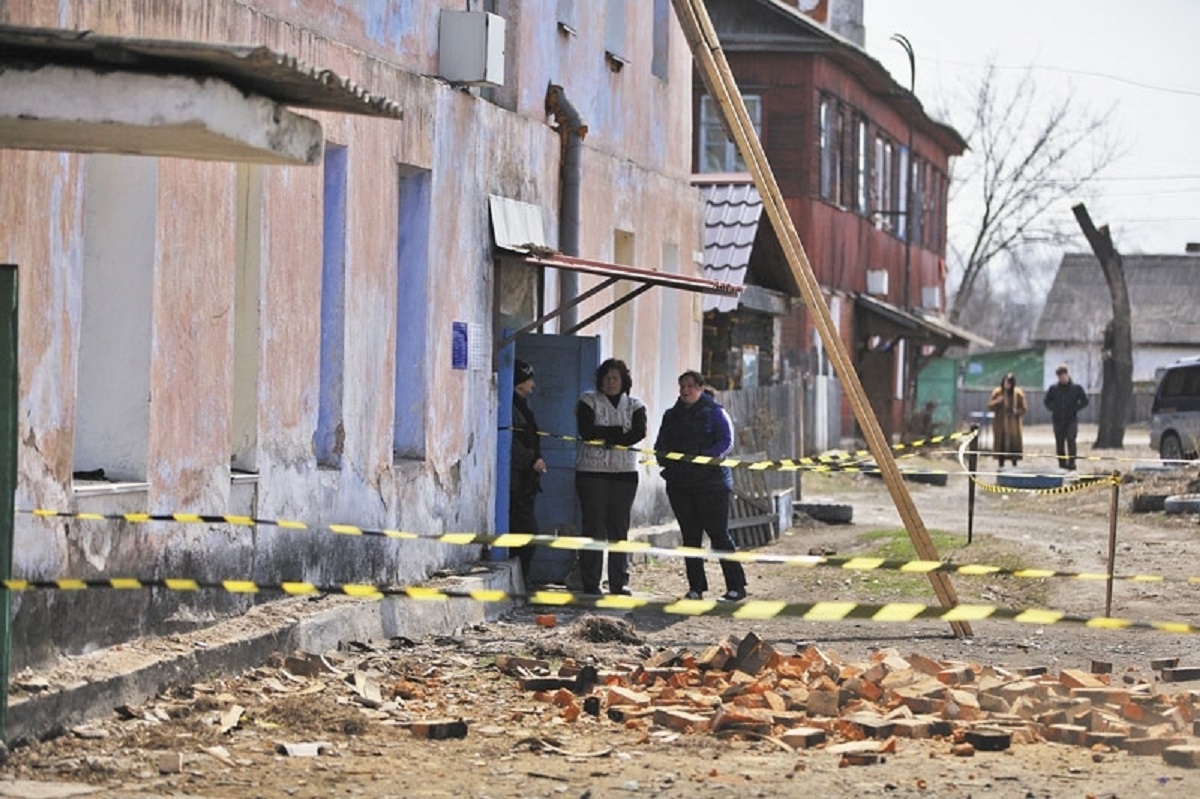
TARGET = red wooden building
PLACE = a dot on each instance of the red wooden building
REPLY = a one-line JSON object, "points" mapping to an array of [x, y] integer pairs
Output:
{"points": [[864, 171]]}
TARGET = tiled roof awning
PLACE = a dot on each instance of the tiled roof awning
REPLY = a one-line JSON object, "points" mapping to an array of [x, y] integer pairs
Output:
{"points": [[731, 215], [739, 242]]}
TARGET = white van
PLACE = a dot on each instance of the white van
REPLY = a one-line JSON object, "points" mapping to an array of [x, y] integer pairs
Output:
{"points": [[1175, 415]]}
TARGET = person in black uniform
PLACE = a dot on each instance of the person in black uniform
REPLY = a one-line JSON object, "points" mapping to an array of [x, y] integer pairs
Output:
{"points": [[1065, 400], [526, 465]]}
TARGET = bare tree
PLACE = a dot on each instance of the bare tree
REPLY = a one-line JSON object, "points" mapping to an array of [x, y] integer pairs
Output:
{"points": [[1117, 392], [1027, 157]]}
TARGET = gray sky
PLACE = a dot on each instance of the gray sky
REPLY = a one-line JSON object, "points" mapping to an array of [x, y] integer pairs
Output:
{"points": [[1143, 56]]}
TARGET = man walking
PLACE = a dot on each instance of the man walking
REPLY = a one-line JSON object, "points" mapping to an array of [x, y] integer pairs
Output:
{"points": [[1065, 400]]}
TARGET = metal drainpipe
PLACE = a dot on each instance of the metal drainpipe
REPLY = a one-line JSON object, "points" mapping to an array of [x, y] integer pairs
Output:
{"points": [[8, 471], [572, 130]]}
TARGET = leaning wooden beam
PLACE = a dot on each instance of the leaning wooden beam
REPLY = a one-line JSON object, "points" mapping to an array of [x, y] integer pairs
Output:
{"points": [[718, 79]]}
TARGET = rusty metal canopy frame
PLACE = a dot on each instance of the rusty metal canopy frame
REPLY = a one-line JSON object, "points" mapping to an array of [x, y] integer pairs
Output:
{"points": [[612, 273]]}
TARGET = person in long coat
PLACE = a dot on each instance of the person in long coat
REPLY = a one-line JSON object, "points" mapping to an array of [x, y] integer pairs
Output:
{"points": [[1008, 404]]}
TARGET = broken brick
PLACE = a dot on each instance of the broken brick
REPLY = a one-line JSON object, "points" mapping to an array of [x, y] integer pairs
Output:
{"points": [[439, 729], [680, 720], [803, 737]]}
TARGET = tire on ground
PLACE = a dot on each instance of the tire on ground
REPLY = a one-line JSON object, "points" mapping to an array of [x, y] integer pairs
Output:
{"points": [[1182, 503], [828, 512], [929, 478], [1037, 482], [1148, 503]]}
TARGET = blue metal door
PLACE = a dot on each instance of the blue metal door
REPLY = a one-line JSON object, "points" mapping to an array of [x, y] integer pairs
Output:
{"points": [[564, 367]]}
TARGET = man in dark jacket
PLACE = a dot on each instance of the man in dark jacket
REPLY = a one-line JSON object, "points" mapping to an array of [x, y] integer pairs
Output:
{"points": [[526, 466], [699, 494], [1065, 400]]}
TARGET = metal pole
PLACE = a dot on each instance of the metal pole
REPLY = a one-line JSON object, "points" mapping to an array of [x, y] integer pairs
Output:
{"points": [[908, 187], [1112, 540], [908, 401], [972, 466], [8, 467]]}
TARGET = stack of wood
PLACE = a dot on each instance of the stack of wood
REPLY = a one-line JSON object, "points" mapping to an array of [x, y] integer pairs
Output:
{"points": [[859, 710]]}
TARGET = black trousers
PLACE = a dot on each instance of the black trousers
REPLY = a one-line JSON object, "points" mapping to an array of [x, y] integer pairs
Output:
{"points": [[706, 510], [605, 501], [1064, 443], [521, 519]]}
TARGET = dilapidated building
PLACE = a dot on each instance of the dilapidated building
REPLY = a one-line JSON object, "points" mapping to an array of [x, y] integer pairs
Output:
{"points": [[261, 273], [864, 171]]}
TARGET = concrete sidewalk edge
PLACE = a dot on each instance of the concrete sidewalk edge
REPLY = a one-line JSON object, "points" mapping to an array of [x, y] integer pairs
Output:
{"points": [[45, 715]]}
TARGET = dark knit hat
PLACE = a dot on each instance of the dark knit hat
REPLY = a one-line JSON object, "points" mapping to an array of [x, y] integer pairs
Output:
{"points": [[521, 372]]}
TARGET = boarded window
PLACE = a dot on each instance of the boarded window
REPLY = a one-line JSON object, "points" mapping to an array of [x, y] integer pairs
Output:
{"points": [[120, 213], [614, 29], [412, 305], [660, 64], [330, 436], [566, 16], [247, 319]]}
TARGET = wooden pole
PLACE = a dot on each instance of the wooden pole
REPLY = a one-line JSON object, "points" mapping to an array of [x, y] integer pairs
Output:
{"points": [[1114, 506], [8, 467], [722, 88]]}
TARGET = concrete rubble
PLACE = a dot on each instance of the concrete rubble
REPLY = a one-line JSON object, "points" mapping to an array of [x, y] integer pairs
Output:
{"points": [[858, 711]]}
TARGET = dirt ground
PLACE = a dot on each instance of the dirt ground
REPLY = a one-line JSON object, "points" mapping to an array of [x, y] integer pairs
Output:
{"points": [[518, 746]]}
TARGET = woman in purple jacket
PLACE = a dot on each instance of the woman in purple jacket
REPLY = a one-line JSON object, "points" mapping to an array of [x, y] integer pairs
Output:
{"points": [[699, 494]]}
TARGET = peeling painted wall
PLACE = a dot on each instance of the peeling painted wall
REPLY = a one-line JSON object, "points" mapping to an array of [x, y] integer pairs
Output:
{"points": [[636, 179]]}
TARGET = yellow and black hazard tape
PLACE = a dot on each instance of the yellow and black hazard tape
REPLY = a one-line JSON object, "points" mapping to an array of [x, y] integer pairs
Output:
{"points": [[748, 609], [830, 461], [1082, 483], [579, 543]]}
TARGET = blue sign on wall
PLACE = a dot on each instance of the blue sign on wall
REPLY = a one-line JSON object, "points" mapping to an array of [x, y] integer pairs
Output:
{"points": [[460, 346]]}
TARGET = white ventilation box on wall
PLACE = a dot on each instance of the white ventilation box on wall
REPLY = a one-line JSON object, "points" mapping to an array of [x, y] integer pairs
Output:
{"points": [[471, 48], [877, 282], [931, 297]]}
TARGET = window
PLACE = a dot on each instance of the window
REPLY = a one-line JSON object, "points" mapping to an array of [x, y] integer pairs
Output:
{"points": [[862, 174], [668, 320], [849, 159], [566, 17], [331, 429], [920, 228], [884, 206], [624, 319], [928, 206], [247, 319], [112, 408], [614, 32], [412, 302], [660, 65], [830, 137], [718, 153], [902, 174]]}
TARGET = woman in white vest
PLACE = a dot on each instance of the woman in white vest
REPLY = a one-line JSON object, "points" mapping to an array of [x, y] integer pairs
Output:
{"points": [[606, 479]]}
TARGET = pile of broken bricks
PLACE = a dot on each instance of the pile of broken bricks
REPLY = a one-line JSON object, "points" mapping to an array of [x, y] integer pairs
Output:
{"points": [[813, 699]]}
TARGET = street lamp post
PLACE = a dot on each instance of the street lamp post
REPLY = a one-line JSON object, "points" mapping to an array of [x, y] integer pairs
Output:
{"points": [[908, 169], [910, 383]]}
